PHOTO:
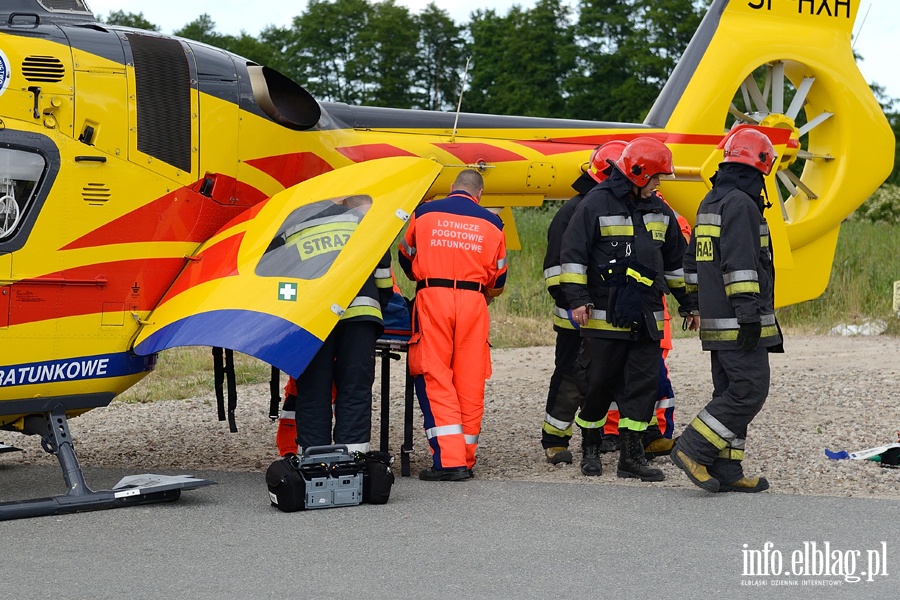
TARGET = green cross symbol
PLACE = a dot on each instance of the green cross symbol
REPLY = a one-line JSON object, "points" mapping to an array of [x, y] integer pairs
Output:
{"points": [[287, 291]]}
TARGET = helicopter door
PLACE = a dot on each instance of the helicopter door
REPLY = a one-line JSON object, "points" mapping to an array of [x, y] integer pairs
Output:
{"points": [[20, 172], [219, 125], [101, 113], [274, 285]]}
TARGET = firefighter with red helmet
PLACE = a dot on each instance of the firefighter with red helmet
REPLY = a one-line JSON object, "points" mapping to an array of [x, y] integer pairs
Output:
{"points": [[563, 398], [658, 437], [729, 261], [621, 252], [455, 250]]}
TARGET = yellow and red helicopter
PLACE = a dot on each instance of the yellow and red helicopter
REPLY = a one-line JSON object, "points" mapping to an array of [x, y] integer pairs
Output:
{"points": [[144, 179]]}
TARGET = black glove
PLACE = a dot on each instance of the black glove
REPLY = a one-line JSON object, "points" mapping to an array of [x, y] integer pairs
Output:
{"points": [[629, 309], [748, 335]]}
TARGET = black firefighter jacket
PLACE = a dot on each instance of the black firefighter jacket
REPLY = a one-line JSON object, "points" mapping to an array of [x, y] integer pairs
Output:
{"points": [[729, 259], [552, 268], [610, 231]]}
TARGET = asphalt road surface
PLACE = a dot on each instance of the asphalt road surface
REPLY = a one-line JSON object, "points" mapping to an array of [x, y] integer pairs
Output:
{"points": [[471, 539]]}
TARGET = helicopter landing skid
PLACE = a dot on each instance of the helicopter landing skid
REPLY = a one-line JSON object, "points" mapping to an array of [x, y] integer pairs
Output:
{"points": [[132, 490]]}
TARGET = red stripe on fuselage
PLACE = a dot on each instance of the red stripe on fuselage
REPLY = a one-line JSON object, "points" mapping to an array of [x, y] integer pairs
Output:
{"points": [[546, 147], [473, 153], [693, 139], [365, 152], [216, 262], [291, 169], [552, 148], [180, 216], [130, 285]]}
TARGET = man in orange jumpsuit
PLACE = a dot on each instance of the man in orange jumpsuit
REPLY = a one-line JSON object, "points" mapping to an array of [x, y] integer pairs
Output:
{"points": [[455, 250]]}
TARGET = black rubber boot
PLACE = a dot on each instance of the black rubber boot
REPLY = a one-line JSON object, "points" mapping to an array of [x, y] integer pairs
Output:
{"points": [[632, 462], [457, 474], [590, 453]]}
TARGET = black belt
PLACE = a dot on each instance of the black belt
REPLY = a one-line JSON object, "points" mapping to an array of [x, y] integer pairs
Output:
{"points": [[450, 283]]}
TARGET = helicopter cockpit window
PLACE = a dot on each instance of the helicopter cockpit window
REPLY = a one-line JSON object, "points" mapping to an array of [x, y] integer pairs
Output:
{"points": [[19, 175], [310, 239]]}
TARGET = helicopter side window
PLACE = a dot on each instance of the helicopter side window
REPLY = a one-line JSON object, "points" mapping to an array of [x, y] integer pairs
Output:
{"points": [[312, 237], [19, 175]]}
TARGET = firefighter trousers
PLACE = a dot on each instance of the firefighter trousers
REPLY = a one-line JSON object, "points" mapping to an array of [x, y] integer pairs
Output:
{"points": [[717, 435], [449, 358], [346, 358], [662, 424], [563, 398], [621, 371]]}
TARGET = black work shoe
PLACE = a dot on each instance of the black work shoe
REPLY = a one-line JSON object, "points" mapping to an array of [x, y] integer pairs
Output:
{"points": [[590, 453], [432, 474], [696, 472], [558, 454], [591, 467], [632, 462], [748, 485]]}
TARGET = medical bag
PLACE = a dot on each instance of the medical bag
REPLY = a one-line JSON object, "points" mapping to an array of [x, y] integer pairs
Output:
{"points": [[329, 476]]}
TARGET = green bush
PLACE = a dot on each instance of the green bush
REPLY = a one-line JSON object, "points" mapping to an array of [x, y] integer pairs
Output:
{"points": [[866, 264], [882, 207], [523, 315]]}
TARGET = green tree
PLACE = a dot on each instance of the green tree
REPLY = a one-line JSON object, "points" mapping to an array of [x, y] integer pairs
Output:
{"points": [[628, 48], [129, 19], [440, 59], [892, 112], [387, 55], [324, 45], [487, 32], [272, 42], [201, 29], [599, 87], [264, 49], [664, 28], [520, 61], [894, 120]]}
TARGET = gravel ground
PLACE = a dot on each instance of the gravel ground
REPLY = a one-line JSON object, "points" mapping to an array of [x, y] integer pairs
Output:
{"points": [[827, 392]]}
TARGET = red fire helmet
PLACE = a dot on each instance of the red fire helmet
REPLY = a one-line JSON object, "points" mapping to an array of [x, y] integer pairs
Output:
{"points": [[602, 156], [748, 146], [643, 158]]}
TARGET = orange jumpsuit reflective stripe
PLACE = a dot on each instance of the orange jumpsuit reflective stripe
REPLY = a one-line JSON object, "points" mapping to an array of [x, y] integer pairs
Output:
{"points": [[286, 433], [457, 243]]}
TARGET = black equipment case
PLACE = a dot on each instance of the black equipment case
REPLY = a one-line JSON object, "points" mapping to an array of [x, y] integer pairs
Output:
{"points": [[329, 476]]}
